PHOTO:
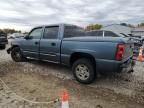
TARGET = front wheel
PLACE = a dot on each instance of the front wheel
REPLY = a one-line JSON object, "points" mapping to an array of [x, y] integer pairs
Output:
{"points": [[16, 54], [84, 71]]}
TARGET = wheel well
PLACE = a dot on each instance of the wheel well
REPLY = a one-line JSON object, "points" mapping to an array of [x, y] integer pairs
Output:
{"points": [[14, 46], [78, 55]]}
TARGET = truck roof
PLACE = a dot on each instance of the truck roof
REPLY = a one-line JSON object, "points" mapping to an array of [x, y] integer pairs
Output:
{"points": [[59, 24]]}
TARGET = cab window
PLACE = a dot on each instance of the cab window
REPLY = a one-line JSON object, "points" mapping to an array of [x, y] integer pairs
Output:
{"points": [[51, 32]]}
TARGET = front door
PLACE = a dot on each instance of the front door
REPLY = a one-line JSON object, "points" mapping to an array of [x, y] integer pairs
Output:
{"points": [[30, 46]]}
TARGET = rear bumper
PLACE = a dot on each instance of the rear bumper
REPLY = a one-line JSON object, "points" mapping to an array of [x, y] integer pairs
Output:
{"points": [[109, 66], [127, 66]]}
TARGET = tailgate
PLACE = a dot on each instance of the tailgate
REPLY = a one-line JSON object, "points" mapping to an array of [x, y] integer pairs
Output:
{"points": [[128, 49]]}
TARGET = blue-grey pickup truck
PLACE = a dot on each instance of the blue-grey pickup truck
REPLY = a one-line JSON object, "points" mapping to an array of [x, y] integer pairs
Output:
{"points": [[69, 45]]}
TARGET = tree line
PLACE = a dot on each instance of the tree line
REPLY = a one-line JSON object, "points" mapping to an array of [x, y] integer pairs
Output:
{"points": [[7, 30]]}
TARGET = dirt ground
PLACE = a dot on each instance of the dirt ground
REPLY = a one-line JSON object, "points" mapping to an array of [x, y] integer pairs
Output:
{"points": [[41, 81]]}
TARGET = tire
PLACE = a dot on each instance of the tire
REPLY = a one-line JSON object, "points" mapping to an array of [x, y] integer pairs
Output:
{"points": [[2, 47], [16, 55], [84, 71]]}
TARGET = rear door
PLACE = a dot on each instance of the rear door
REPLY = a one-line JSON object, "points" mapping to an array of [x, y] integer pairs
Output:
{"points": [[50, 44]]}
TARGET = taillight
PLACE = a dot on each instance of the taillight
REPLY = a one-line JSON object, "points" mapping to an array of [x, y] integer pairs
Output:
{"points": [[119, 53]]}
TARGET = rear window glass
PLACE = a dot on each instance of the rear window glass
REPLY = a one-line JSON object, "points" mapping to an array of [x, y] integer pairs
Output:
{"points": [[73, 31], [110, 34], [95, 33]]}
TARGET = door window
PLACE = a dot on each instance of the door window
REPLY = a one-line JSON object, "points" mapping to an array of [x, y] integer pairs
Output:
{"points": [[36, 33], [51, 32]]}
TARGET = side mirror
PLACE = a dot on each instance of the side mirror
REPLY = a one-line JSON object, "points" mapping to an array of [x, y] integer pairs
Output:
{"points": [[27, 37]]}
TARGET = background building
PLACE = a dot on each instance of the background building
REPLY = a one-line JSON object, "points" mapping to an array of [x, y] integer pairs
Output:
{"points": [[117, 28], [139, 31]]}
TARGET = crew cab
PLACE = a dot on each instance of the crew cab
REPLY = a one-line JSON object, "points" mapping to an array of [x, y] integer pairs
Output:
{"points": [[70, 45], [3, 40]]}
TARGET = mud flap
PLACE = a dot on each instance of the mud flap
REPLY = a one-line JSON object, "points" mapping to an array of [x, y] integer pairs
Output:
{"points": [[9, 50], [128, 66], [132, 66]]}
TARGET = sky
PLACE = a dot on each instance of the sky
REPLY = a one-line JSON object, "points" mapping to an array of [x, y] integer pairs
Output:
{"points": [[25, 14]]}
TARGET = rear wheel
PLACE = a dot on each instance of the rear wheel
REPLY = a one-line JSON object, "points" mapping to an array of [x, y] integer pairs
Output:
{"points": [[84, 71], [16, 54]]}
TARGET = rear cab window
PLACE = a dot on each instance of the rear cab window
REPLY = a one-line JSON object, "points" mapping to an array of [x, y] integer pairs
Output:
{"points": [[95, 33], [110, 34], [73, 31]]}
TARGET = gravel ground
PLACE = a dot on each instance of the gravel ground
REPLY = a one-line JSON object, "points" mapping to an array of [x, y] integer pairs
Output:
{"points": [[33, 80]]}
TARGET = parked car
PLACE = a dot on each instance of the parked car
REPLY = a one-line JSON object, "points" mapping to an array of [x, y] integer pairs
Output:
{"points": [[69, 45], [15, 35], [103, 33], [138, 42], [3, 40], [142, 37]]}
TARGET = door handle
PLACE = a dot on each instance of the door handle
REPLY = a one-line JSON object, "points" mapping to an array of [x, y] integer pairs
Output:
{"points": [[53, 44], [36, 43]]}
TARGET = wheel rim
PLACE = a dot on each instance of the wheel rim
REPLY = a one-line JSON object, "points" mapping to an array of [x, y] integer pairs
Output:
{"points": [[17, 55], [82, 72]]}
